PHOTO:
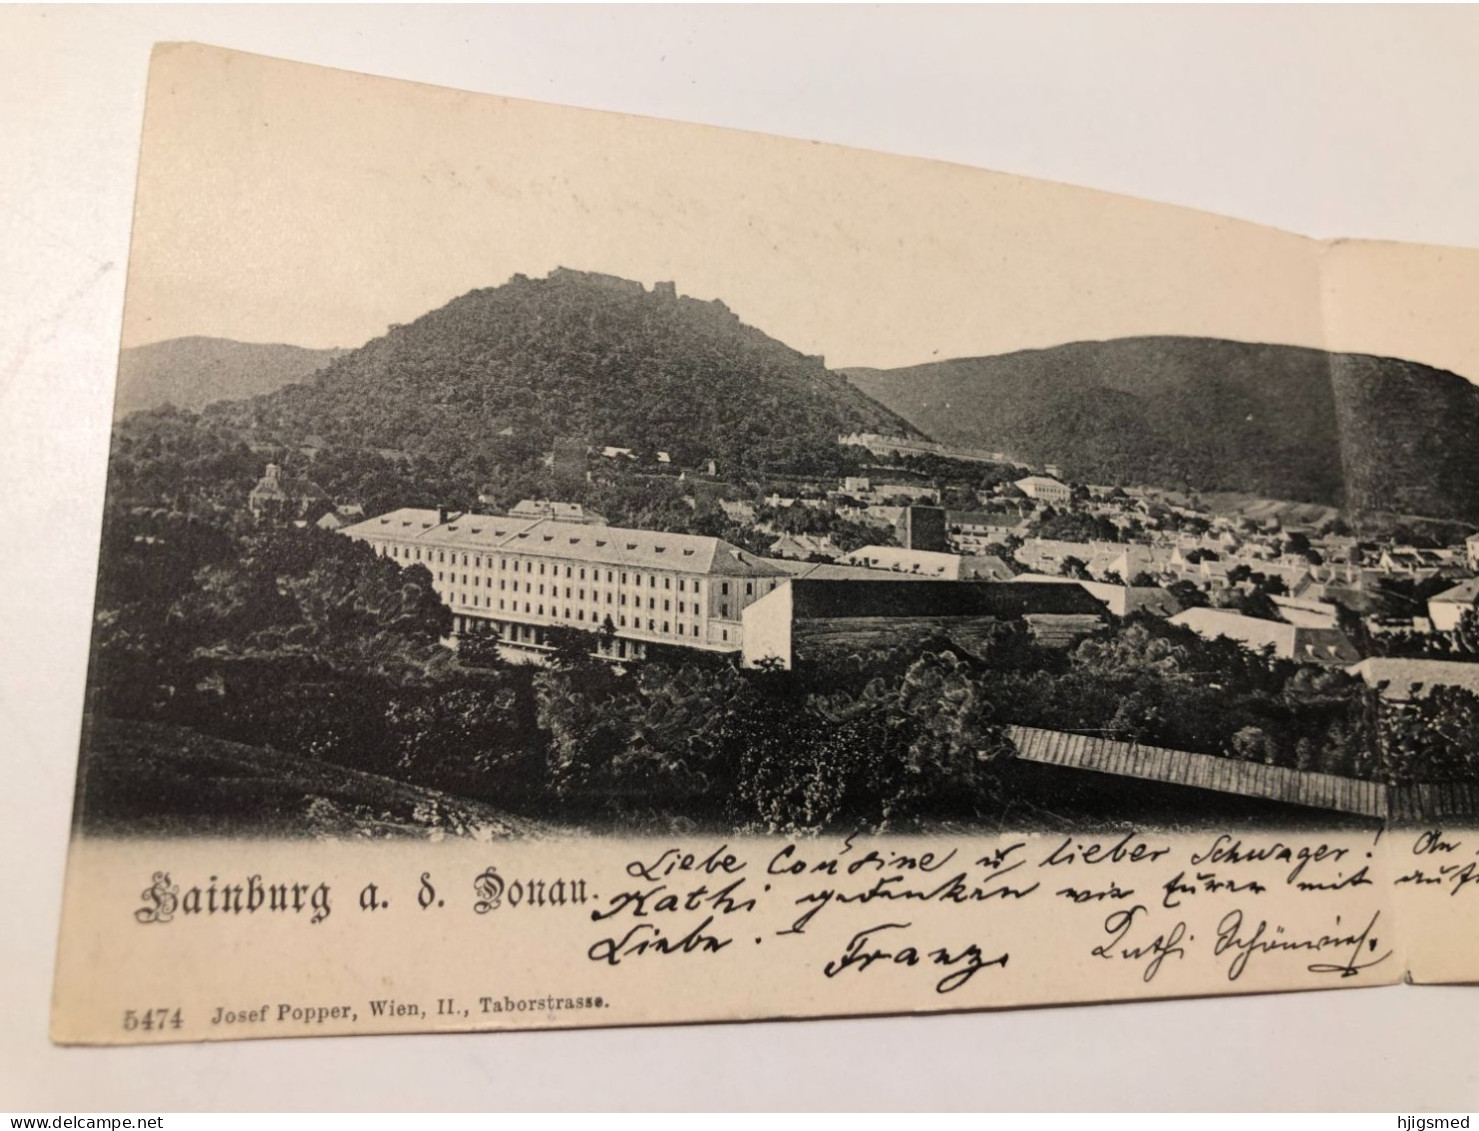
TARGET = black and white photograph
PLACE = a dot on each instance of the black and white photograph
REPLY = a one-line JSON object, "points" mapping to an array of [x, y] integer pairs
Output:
{"points": [[582, 549]]}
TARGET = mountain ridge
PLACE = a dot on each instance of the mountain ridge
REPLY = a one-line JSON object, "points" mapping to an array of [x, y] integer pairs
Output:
{"points": [[1358, 431], [578, 355], [500, 376], [193, 371]]}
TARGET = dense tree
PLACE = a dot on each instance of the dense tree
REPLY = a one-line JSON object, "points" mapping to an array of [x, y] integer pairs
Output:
{"points": [[1188, 594], [1432, 738], [1073, 567], [1075, 526], [1257, 603]]}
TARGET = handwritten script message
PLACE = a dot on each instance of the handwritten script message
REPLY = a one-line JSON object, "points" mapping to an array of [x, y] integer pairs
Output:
{"points": [[1126, 878], [524, 933]]}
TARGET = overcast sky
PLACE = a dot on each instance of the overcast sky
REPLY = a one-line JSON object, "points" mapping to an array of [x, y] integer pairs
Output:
{"points": [[279, 202]]}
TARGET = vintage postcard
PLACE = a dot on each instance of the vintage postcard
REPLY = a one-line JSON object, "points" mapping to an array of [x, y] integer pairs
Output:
{"points": [[565, 569]]}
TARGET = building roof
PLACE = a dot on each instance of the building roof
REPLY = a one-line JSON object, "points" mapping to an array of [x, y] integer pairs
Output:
{"points": [[553, 508], [795, 544], [832, 571], [928, 563], [1397, 678], [1056, 548], [1414, 558], [902, 597], [1253, 631], [1120, 599], [1145, 599], [1306, 614], [1292, 642], [1130, 557], [1040, 481], [1290, 574], [1464, 593], [604, 545], [986, 567]]}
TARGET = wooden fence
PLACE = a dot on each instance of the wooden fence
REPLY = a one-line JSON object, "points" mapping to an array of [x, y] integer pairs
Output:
{"points": [[1441, 801]]}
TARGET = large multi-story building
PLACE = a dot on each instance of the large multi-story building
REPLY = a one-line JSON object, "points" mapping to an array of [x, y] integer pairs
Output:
{"points": [[522, 577], [1044, 489], [822, 621]]}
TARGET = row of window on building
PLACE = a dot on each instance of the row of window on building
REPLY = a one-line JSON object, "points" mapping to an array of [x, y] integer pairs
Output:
{"points": [[635, 624], [530, 589]]}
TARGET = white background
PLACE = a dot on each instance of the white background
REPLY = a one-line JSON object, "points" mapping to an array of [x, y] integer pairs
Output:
{"points": [[1327, 121]]}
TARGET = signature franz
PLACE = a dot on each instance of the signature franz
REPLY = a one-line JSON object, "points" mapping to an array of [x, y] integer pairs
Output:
{"points": [[863, 951]]}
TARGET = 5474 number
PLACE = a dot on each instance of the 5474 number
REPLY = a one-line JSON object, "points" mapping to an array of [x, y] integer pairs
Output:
{"points": [[148, 1020]]}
